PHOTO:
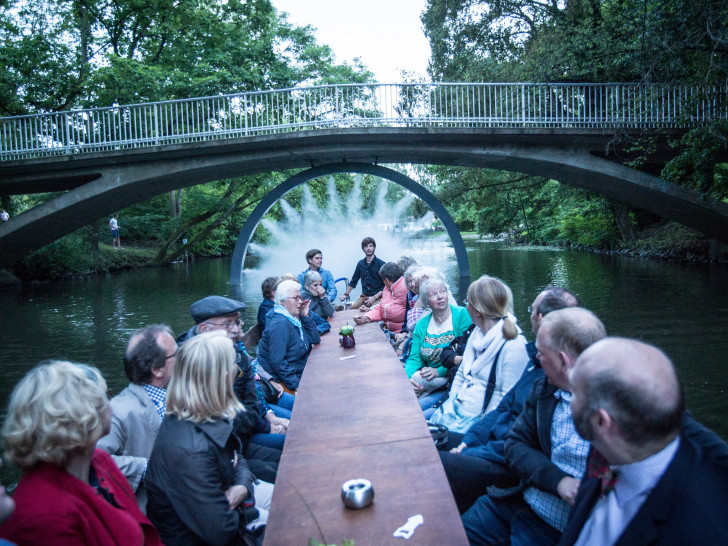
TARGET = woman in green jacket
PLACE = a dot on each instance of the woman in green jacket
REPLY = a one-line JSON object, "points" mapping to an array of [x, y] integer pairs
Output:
{"points": [[434, 332]]}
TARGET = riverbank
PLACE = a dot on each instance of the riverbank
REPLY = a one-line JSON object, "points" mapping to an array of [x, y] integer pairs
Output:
{"points": [[72, 257]]}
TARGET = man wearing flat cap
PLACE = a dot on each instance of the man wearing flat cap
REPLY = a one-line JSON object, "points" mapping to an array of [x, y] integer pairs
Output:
{"points": [[220, 313]]}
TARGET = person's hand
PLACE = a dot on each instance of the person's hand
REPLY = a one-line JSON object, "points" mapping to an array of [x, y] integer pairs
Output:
{"points": [[278, 425], [344, 297], [419, 389], [321, 291], [235, 495], [363, 308], [362, 319], [429, 373], [459, 449], [369, 302], [457, 360], [304, 307], [567, 489], [399, 338], [278, 387]]}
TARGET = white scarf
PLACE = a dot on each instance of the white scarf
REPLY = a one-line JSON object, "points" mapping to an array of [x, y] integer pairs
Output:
{"points": [[479, 356]]}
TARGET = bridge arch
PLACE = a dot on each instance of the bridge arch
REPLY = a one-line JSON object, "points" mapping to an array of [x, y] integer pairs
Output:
{"points": [[246, 233]]}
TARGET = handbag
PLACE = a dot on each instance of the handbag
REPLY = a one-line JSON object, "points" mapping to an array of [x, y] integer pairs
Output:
{"points": [[270, 394]]}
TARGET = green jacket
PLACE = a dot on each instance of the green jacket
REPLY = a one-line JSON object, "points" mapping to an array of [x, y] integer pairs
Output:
{"points": [[460, 322]]}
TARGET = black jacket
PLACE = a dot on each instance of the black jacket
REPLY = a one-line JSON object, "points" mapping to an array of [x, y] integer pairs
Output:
{"points": [[189, 470], [250, 421]]}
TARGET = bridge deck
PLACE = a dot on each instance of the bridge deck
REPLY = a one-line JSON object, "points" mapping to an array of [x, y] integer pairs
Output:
{"points": [[359, 418]]}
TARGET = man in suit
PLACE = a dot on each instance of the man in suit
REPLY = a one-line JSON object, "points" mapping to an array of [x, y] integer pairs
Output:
{"points": [[648, 482], [138, 410], [542, 447]]}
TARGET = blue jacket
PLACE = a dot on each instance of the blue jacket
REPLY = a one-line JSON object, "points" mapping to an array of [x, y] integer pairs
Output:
{"points": [[327, 281], [265, 306], [282, 352]]}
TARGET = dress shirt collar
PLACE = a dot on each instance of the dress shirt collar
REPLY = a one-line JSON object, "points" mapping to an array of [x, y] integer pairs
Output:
{"points": [[640, 477]]}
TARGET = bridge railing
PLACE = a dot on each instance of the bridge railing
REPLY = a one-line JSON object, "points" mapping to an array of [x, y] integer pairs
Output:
{"points": [[477, 105]]}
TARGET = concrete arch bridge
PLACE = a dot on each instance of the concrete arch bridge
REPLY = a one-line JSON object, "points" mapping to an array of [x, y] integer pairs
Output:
{"points": [[106, 159]]}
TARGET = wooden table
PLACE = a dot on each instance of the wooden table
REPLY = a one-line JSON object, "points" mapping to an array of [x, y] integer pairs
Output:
{"points": [[359, 418]]}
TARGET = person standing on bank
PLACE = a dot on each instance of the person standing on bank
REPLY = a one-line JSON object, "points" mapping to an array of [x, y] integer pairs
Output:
{"points": [[4, 216], [315, 258], [367, 269], [114, 226]]}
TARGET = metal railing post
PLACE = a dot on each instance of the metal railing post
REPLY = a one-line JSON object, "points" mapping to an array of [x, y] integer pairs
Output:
{"points": [[156, 123], [523, 103], [67, 133]]}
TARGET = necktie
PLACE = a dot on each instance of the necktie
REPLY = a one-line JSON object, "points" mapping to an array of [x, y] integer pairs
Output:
{"points": [[598, 467]]}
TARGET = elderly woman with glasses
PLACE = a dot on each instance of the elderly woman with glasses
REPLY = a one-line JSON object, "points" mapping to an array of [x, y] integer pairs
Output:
{"points": [[433, 333], [70, 492], [288, 336]]}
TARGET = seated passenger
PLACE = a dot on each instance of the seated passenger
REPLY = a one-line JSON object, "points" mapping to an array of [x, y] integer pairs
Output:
{"points": [[432, 334], [261, 431], [316, 294], [288, 336], [269, 292], [200, 489], [314, 257], [393, 305], [494, 357], [70, 492]]}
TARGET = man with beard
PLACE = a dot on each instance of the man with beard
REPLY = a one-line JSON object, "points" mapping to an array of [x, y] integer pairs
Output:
{"points": [[648, 481]]}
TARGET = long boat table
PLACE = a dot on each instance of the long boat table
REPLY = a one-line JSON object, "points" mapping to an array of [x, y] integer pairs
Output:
{"points": [[359, 418]]}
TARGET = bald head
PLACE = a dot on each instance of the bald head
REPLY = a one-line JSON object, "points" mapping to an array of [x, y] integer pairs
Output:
{"points": [[636, 384], [572, 330]]}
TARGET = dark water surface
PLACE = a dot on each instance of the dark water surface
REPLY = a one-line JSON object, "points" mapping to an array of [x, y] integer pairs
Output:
{"points": [[681, 308]]}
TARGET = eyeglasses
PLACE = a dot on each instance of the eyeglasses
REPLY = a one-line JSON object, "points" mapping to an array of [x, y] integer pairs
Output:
{"points": [[296, 298], [227, 325]]}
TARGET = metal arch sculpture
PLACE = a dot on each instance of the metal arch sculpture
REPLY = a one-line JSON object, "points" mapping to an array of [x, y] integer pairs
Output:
{"points": [[246, 233]]}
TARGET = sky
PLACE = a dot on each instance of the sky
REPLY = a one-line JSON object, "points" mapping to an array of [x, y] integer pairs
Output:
{"points": [[386, 34]]}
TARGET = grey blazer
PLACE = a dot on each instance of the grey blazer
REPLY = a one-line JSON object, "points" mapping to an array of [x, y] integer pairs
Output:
{"points": [[134, 426]]}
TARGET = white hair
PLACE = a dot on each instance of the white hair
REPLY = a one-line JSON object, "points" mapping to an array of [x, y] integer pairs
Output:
{"points": [[287, 289]]}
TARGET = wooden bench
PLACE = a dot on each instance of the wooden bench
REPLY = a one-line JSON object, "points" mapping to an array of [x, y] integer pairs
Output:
{"points": [[251, 338], [359, 418]]}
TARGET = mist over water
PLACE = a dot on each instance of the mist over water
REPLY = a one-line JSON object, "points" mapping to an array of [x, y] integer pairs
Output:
{"points": [[337, 230]]}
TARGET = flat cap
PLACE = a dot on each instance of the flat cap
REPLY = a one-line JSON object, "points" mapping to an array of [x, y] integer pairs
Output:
{"points": [[214, 306]]}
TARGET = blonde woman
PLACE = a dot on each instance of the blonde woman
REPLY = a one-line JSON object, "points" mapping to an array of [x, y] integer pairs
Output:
{"points": [[494, 358], [70, 492], [200, 488]]}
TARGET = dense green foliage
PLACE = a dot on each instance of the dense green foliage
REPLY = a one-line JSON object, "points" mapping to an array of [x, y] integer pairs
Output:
{"points": [[64, 54], [668, 41]]}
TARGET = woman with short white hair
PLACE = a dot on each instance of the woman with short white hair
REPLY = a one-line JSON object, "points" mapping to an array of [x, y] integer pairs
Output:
{"points": [[70, 492], [288, 336], [433, 333], [314, 291], [200, 488]]}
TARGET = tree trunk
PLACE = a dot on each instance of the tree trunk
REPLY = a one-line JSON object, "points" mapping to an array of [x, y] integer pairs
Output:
{"points": [[624, 222]]}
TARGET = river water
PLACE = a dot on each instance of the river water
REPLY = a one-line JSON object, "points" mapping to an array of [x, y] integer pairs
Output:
{"points": [[682, 308]]}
